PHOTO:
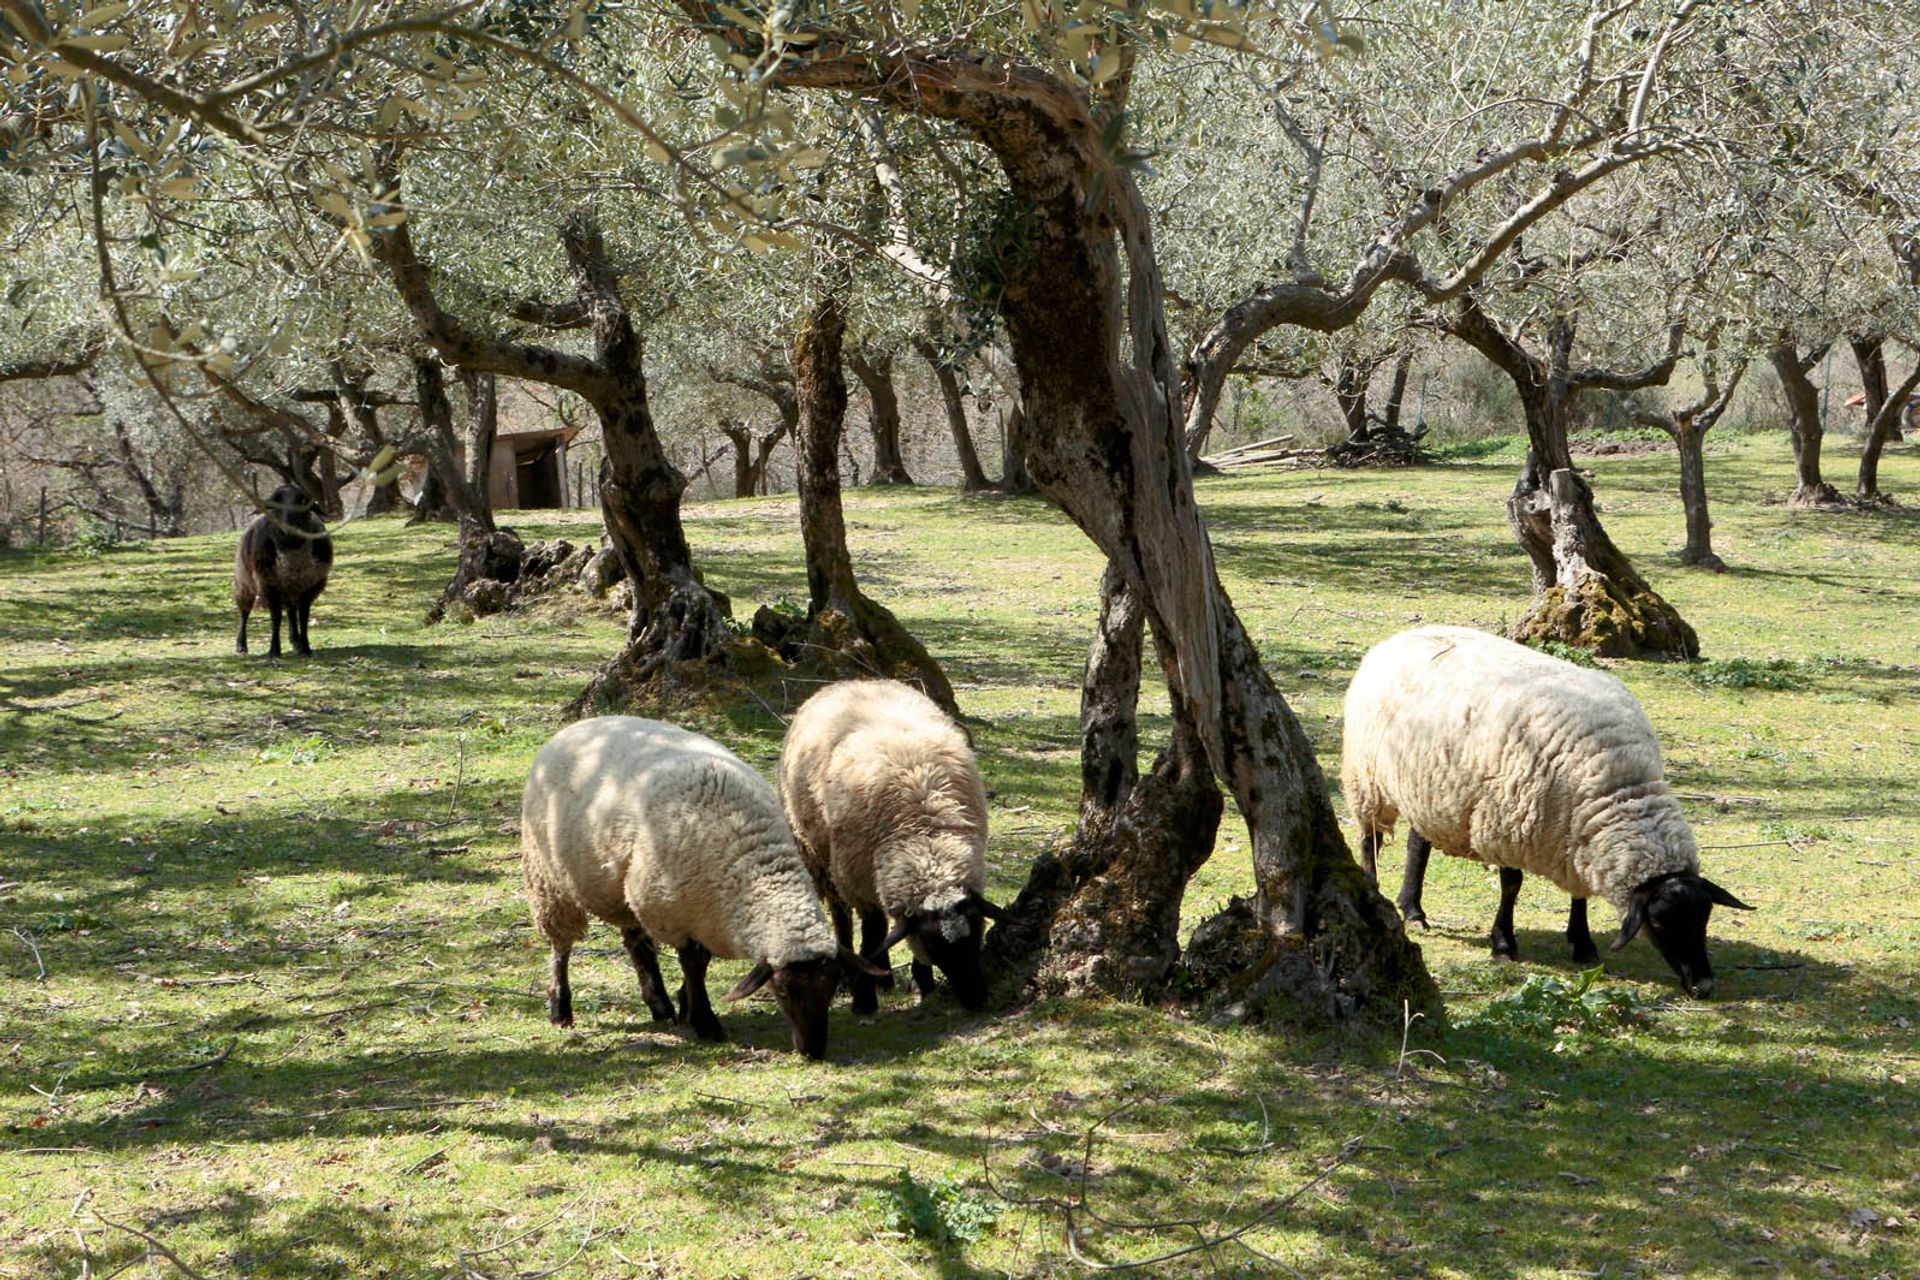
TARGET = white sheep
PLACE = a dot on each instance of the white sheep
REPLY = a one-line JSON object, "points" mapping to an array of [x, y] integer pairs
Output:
{"points": [[674, 840], [1500, 753], [887, 803]]}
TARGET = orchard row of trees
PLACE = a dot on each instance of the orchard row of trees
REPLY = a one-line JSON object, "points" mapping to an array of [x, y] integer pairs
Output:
{"points": [[281, 224]]}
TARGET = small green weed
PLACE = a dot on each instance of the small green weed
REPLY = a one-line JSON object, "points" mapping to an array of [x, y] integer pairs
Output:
{"points": [[1565, 652], [940, 1210], [1747, 673], [1548, 1006], [1796, 832], [307, 750]]}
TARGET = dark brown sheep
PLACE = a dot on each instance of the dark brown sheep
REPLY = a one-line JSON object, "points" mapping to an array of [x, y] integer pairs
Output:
{"points": [[283, 562]]}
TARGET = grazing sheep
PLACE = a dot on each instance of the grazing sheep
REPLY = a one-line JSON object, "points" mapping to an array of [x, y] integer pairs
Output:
{"points": [[673, 839], [891, 815], [283, 560], [1500, 753]]}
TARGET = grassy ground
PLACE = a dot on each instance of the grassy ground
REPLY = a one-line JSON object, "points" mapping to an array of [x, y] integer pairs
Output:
{"points": [[306, 871]]}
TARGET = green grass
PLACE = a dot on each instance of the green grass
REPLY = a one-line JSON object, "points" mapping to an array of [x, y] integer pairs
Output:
{"points": [[309, 868]]}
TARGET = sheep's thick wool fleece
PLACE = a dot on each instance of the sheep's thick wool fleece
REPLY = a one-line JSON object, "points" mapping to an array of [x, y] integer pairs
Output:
{"points": [[883, 792], [640, 822], [1498, 752]]}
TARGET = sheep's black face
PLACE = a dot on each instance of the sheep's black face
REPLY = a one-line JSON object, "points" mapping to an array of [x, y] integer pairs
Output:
{"points": [[1675, 909], [292, 507], [804, 991], [949, 940]]}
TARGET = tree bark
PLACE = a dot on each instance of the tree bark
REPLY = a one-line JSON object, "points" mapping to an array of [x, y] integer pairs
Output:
{"points": [[1884, 409], [845, 628], [972, 478], [1586, 592], [1104, 914], [1103, 396], [1014, 477], [167, 513], [487, 553], [876, 375], [1397, 389], [750, 455], [1689, 439], [458, 462], [676, 617], [1803, 408], [1350, 390]]}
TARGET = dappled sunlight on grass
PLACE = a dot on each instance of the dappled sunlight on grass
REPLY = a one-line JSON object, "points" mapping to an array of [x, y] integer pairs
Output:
{"points": [[292, 1016]]}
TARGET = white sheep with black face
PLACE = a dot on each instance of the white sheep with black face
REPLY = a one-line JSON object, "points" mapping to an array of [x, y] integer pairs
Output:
{"points": [[887, 803], [1501, 753], [674, 840]]}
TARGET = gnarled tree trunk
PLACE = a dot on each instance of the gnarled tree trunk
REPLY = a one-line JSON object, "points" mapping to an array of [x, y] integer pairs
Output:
{"points": [[750, 455], [1350, 386], [676, 617], [876, 375], [845, 629], [1803, 409], [1103, 914], [1586, 592], [1884, 409], [1103, 399], [487, 553], [972, 478], [1014, 478]]}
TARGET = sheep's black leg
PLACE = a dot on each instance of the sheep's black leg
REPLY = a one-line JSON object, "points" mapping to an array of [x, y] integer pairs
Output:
{"points": [[859, 985], [273, 603], [300, 640], [873, 937], [695, 1010], [240, 641], [1505, 945], [1414, 878], [1370, 856], [922, 979], [653, 987], [1583, 949], [559, 993]]}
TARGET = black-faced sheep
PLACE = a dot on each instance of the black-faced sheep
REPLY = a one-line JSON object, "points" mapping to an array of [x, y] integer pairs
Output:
{"points": [[672, 839], [1500, 753], [283, 561], [891, 815]]}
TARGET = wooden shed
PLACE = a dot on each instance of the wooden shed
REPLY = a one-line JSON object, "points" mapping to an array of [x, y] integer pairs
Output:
{"points": [[530, 469]]}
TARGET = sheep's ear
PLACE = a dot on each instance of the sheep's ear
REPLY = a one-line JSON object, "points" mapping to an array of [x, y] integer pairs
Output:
{"points": [[853, 962], [756, 978], [1636, 912], [1722, 897], [987, 909], [898, 934]]}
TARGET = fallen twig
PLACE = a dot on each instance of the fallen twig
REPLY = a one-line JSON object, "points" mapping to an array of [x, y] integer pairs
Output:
{"points": [[1791, 1154], [182, 1069], [462, 986], [153, 1245], [27, 938]]}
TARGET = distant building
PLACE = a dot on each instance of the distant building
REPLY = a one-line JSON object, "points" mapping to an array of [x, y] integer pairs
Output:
{"points": [[1909, 416], [530, 469]]}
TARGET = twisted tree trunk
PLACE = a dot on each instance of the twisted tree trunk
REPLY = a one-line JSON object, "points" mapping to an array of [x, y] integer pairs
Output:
{"points": [[845, 629], [972, 478], [1103, 914], [1586, 592], [1803, 409], [676, 617], [1884, 409], [876, 375]]}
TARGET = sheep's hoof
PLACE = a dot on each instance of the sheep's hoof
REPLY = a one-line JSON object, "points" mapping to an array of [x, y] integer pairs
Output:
{"points": [[1412, 918], [1586, 955], [710, 1031]]}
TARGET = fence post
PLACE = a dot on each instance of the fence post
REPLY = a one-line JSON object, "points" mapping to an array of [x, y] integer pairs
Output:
{"points": [[43, 515]]}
